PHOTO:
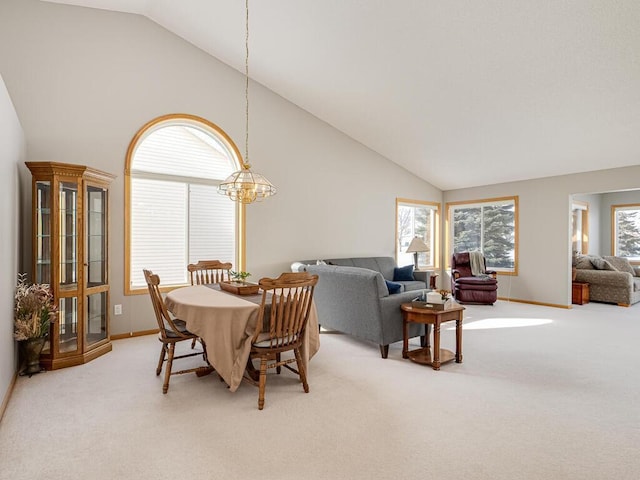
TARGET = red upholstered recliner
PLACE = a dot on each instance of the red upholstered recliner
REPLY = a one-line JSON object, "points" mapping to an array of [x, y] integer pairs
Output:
{"points": [[467, 288]]}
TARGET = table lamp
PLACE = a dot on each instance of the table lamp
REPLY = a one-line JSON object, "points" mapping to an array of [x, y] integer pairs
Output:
{"points": [[416, 246]]}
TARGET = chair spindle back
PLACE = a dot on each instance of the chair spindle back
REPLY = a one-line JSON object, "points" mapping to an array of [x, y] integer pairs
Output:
{"points": [[287, 302], [162, 314], [208, 272]]}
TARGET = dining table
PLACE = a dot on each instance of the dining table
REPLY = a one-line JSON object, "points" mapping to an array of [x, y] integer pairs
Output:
{"points": [[226, 322]]}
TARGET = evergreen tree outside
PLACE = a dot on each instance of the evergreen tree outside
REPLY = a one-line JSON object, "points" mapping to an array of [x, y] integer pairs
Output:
{"points": [[499, 238], [628, 233], [487, 228], [421, 225], [467, 229]]}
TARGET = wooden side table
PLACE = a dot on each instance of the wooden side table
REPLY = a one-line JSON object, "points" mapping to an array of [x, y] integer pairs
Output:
{"points": [[579, 293], [411, 314]]}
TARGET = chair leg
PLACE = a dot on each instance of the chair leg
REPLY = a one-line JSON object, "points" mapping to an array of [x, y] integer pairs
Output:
{"points": [[205, 356], [278, 368], [384, 351], [193, 344], [301, 370], [167, 372], [263, 382], [161, 361]]}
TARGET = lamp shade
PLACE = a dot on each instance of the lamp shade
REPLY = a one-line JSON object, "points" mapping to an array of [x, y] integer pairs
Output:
{"points": [[417, 245]]}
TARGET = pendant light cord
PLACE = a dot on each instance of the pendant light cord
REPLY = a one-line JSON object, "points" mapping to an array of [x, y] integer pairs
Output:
{"points": [[245, 186], [246, 85]]}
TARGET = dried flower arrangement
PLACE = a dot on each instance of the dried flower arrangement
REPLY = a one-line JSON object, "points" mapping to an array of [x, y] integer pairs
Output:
{"points": [[34, 309], [444, 294]]}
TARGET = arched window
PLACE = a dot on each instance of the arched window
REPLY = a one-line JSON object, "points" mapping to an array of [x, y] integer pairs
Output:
{"points": [[174, 215]]}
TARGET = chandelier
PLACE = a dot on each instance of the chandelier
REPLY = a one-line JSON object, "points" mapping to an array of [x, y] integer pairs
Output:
{"points": [[245, 186]]}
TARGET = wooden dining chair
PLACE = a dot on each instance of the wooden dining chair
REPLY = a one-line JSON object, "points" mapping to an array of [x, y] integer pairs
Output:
{"points": [[284, 314], [208, 272], [172, 331]]}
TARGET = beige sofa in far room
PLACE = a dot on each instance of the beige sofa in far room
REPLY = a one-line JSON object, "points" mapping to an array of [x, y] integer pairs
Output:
{"points": [[611, 279]]}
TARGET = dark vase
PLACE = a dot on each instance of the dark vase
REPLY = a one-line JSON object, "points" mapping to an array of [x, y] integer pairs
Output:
{"points": [[30, 355]]}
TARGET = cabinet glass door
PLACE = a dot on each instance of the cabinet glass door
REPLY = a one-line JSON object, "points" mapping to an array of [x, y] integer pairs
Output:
{"points": [[68, 240], [96, 262], [68, 267], [43, 233], [96, 236], [96, 327], [68, 325]]}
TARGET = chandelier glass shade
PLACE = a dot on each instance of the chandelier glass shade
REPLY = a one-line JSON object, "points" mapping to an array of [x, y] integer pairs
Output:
{"points": [[245, 186]]}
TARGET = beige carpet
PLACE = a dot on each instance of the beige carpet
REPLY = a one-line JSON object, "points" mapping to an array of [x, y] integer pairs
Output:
{"points": [[543, 393]]}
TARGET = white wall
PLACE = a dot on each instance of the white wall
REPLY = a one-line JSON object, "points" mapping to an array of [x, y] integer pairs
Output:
{"points": [[544, 259], [12, 150], [84, 81]]}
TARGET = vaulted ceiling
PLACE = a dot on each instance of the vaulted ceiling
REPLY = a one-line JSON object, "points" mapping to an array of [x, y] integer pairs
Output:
{"points": [[462, 92]]}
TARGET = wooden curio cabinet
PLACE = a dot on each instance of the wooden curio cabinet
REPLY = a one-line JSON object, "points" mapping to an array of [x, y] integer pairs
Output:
{"points": [[70, 253]]}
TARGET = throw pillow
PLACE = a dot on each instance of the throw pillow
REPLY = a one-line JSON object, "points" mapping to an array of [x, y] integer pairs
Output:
{"points": [[403, 274], [393, 287], [621, 264], [601, 264], [583, 262]]}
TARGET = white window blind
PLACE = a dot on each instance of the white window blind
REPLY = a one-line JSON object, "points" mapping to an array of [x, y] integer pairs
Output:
{"points": [[158, 230], [177, 216], [178, 150], [212, 225]]}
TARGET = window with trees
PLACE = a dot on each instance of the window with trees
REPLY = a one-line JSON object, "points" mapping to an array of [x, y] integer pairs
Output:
{"points": [[415, 218], [174, 214], [489, 226], [626, 231]]}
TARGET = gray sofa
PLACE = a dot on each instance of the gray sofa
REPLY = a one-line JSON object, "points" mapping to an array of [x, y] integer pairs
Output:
{"points": [[352, 297], [610, 279]]}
